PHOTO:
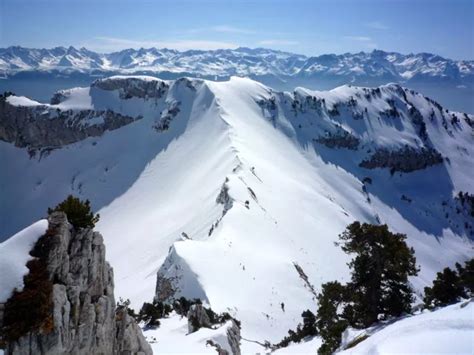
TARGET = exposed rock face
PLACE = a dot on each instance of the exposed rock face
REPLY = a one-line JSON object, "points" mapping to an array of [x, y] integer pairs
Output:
{"points": [[405, 160], [224, 198], [49, 127], [84, 312], [229, 345], [197, 318], [133, 87], [171, 282], [41, 126], [419, 122], [167, 116], [128, 337], [233, 337], [164, 288], [340, 140], [227, 201], [58, 97]]}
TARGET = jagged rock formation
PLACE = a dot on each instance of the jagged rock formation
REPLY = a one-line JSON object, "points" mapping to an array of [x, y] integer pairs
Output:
{"points": [[133, 87], [167, 116], [224, 198], [128, 337], [197, 318], [84, 314], [233, 341], [233, 337], [41, 126], [171, 285], [339, 140], [164, 288], [405, 160]]}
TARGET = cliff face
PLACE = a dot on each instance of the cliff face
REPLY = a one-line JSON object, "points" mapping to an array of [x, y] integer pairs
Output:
{"points": [[84, 313], [43, 127], [133, 87], [405, 159]]}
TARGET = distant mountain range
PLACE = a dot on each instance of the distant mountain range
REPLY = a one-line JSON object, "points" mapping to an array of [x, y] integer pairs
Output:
{"points": [[240, 61], [450, 81]]}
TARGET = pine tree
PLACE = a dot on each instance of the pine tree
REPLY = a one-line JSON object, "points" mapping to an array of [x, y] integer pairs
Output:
{"points": [[466, 276], [451, 285], [446, 289], [151, 313], [330, 320], [309, 324], [78, 212], [380, 270], [379, 283]]}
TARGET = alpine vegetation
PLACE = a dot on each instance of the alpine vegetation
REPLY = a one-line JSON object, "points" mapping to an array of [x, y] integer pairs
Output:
{"points": [[378, 289]]}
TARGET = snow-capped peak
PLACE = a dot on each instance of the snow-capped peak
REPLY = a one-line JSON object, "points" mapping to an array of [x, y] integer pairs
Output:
{"points": [[241, 61]]}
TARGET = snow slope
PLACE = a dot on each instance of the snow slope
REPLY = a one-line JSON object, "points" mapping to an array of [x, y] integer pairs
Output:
{"points": [[239, 201], [172, 337], [14, 254], [449, 330]]}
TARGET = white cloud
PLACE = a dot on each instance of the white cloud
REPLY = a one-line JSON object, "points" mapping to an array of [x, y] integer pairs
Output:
{"points": [[366, 41], [277, 42], [377, 25], [358, 38], [107, 44], [230, 29], [221, 29]]}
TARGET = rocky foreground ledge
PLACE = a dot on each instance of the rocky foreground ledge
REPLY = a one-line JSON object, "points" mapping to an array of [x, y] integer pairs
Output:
{"points": [[82, 316]]}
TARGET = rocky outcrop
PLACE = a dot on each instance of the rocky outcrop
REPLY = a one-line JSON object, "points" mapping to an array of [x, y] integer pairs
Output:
{"points": [[130, 87], [418, 122], [230, 344], [342, 139], [406, 159], [41, 126], [197, 318], [85, 319], [233, 337], [167, 116], [176, 279], [128, 337], [224, 198]]}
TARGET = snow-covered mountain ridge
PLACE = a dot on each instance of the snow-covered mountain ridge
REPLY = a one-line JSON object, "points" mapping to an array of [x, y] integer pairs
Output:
{"points": [[231, 191], [240, 61]]}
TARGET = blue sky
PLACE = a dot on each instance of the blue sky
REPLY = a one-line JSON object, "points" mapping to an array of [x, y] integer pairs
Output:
{"points": [[311, 27]]}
